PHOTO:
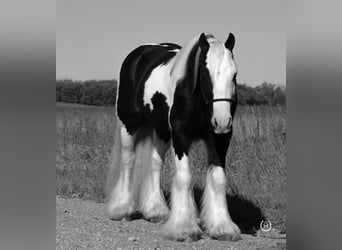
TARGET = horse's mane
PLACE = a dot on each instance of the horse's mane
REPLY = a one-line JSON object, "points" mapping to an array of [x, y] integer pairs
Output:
{"points": [[178, 70]]}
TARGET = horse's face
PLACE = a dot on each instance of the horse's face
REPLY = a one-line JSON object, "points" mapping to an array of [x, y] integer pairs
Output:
{"points": [[222, 72]]}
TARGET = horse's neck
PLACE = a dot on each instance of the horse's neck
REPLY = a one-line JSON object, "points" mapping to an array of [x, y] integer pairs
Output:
{"points": [[179, 67]]}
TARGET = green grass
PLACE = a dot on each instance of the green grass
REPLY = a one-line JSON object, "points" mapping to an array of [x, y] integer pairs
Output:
{"points": [[256, 158]]}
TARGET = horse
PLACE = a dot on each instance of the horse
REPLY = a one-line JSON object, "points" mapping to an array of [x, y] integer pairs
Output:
{"points": [[167, 97]]}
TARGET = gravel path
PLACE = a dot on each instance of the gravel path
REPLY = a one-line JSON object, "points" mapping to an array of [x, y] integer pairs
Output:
{"points": [[84, 225]]}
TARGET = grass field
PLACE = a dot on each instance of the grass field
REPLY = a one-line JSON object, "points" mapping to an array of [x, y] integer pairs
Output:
{"points": [[256, 159]]}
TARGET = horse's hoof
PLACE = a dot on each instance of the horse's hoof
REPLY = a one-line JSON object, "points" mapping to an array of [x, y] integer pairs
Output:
{"points": [[157, 213], [182, 231], [158, 219], [227, 237], [121, 212], [225, 232]]}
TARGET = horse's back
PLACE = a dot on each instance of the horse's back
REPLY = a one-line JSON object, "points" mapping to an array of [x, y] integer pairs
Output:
{"points": [[136, 69]]}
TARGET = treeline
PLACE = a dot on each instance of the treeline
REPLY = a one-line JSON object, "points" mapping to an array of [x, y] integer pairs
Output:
{"points": [[93, 92], [266, 93], [103, 93]]}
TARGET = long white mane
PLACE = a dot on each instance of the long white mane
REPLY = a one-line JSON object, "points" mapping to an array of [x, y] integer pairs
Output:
{"points": [[179, 65]]}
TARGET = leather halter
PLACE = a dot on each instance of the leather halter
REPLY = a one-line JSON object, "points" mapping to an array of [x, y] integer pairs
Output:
{"points": [[232, 100], [220, 100]]}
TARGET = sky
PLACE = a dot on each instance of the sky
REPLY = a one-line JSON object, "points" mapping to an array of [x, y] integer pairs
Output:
{"points": [[94, 37]]}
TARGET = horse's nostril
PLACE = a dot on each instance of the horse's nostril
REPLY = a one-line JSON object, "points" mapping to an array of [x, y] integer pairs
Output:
{"points": [[216, 125]]}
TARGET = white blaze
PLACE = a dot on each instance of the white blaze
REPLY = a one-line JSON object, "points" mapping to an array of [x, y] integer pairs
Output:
{"points": [[222, 69]]}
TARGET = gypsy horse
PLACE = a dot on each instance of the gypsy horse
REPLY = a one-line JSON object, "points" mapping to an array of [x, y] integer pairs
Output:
{"points": [[169, 96]]}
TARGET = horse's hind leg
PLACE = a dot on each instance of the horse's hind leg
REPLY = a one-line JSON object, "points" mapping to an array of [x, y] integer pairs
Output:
{"points": [[121, 203], [152, 202]]}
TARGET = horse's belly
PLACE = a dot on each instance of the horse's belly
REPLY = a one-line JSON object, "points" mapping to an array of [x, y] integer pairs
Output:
{"points": [[159, 83]]}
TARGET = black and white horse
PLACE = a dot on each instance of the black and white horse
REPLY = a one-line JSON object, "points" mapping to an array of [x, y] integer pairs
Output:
{"points": [[171, 96]]}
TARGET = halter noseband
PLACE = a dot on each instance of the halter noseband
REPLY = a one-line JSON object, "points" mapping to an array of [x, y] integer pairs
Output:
{"points": [[220, 100]]}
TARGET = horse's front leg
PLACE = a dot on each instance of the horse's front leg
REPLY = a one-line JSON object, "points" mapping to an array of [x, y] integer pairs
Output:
{"points": [[215, 214], [182, 222]]}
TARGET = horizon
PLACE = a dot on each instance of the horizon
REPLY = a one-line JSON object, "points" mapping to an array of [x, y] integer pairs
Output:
{"points": [[93, 38], [114, 79]]}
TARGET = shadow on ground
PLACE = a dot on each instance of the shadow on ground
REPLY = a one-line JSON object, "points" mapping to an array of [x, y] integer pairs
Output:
{"points": [[243, 212]]}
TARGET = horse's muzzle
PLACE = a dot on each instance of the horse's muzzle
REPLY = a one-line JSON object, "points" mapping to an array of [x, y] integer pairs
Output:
{"points": [[222, 127]]}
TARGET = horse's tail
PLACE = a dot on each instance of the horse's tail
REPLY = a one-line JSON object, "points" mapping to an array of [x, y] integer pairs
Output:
{"points": [[115, 160], [141, 172]]}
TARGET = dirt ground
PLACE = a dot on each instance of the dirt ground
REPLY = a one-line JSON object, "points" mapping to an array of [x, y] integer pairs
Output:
{"points": [[84, 225]]}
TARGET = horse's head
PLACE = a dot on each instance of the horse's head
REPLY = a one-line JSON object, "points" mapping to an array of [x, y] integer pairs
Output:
{"points": [[217, 77]]}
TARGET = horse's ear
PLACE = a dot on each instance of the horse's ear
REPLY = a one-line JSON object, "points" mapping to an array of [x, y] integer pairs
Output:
{"points": [[229, 44], [203, 43]]}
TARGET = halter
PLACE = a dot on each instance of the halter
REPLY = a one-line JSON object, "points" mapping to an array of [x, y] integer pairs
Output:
{"points": [[220, 100], [207, 102]]}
